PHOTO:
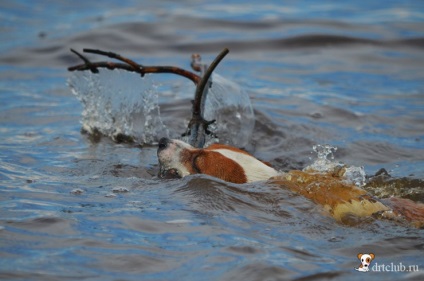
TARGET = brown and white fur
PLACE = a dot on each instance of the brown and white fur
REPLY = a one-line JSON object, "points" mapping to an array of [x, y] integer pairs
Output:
{"points": [[330, 190], [222, 161]]}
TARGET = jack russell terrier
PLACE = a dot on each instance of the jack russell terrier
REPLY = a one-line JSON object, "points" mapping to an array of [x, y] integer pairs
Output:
{"points": [[340, 199], [365, 262]]}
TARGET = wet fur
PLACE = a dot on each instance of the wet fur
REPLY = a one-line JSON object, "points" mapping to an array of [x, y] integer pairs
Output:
{"points": [[330, 190]]}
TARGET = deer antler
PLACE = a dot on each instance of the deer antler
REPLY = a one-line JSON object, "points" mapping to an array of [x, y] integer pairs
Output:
{"points": [[198, 126]]}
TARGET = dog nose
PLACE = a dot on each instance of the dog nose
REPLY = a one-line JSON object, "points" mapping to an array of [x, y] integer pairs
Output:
{"points": [[163, 143]]}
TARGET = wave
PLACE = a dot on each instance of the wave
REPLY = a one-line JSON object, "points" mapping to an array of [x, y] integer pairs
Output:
{"points": [[188, 36]]}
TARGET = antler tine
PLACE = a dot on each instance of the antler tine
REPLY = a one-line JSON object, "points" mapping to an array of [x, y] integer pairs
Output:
{"points": [[129, 65], [86, 61], [197, 122], [113, 55], [201, 86]]}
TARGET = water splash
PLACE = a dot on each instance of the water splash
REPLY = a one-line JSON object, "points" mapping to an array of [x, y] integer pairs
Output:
{"points": [[325, 163], [117, 103], [355, 175], [230, 106], [325, 158]]}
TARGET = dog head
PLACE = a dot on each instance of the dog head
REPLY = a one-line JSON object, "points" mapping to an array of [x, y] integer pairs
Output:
{"points": [[173, 156]]}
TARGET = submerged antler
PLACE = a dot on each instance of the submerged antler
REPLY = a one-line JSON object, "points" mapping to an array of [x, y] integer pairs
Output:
{"points": [[198, 126]]}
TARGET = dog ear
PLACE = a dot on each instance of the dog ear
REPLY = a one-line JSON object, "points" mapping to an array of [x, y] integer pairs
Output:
{"points": [[372, 256], [359, 256]]}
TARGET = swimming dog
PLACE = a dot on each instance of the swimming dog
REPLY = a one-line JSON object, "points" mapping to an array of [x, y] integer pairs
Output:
{"points": [[339, 198], [231, 164]]}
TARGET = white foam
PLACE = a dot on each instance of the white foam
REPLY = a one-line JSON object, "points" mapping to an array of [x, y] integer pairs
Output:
{"points": [[325, 163]]}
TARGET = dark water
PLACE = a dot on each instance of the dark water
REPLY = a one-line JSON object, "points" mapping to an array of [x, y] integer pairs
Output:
{"points": [[347, 74]]}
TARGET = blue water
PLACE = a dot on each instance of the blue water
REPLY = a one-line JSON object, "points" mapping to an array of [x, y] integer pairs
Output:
{"points": [[347, 74]]}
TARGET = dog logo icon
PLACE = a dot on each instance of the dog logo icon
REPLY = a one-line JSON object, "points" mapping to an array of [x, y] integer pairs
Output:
{"points": [[365, 262]]}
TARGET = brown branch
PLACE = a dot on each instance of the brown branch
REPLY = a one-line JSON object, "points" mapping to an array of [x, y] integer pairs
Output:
{"points": [[86, 61], [198, 126], [114, 56], [201, 86], [102, 64], [129, 65]]}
